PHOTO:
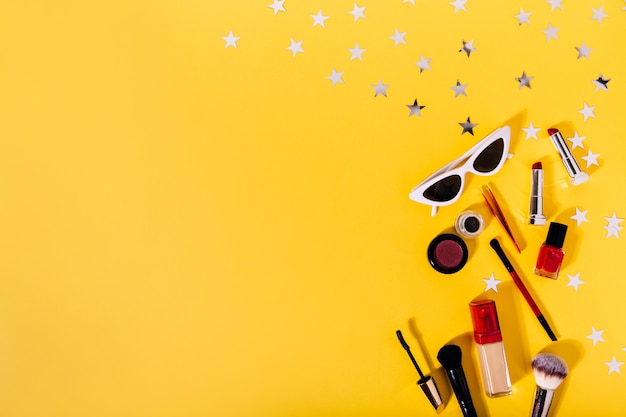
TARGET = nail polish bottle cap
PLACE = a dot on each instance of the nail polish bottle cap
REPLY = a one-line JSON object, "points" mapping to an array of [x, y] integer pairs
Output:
{"points": [[485, 321], [556, 235]]}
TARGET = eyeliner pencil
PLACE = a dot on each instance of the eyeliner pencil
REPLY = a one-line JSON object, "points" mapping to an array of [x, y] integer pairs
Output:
{"points": [[520, 285]]}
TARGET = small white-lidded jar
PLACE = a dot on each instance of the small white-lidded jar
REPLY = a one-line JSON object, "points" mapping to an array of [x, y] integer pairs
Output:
{"points": [[469, 224]]}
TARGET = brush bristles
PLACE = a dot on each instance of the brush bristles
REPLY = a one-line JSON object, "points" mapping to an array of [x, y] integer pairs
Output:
{"points": [[450, 356], [549, 370]]}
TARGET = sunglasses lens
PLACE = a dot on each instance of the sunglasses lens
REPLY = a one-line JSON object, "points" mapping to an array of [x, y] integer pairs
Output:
{"points": [[444, 190], [490, 157]]}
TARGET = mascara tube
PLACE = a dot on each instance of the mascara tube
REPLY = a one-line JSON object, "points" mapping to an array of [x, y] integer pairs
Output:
{"points": [[577, 175]]}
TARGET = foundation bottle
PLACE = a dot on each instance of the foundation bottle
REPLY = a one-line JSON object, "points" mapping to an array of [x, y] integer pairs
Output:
{"points": [[493, 366]]}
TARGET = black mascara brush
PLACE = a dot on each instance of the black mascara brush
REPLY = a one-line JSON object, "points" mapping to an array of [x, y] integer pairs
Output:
{"points": [[426, 383]]}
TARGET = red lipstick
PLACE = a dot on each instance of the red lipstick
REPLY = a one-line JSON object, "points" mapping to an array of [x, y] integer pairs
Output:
{"points": [[577, 175], [536, 196]]}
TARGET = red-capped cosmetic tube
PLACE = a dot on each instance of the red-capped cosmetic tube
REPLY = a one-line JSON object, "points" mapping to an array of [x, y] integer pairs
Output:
{"points": [[536, 196], [493, 365], [577, 175]]}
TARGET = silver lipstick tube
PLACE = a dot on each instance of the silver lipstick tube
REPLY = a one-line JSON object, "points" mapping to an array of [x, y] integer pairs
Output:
{"points": [[577, 175], [536, 197]]}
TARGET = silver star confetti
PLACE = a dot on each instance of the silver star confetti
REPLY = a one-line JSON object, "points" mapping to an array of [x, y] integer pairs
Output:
{"points": [[587, 112], [335, 77], [523, 17], [596, 336], [398, 38], [524, 80], [601, 83], [468, 47], [231, 40], [580, 217], [424, 64], [358, 12], [380, 89], [551, 32], [277, 6], [583, 50], [531, 131], [459, 89], [415, 109], [468, 126]]}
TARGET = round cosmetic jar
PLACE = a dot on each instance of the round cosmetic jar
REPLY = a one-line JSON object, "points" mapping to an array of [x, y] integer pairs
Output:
{"points": [[469, 224], [447, 253]]}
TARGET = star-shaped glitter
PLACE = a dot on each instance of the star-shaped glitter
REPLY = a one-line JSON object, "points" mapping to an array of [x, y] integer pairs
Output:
{"points": [[295, 47], [587, 112], [319, 19], [580, 217], [357, 53], [596, 335], [335, 77], [398, 37], [492, 283], [358, 12], [531, 131], [591, 158], [551, 32], [614, 365], [468, 126], [613, 228], [555, 4], [459, 89], [415, 109], [468, 47], [524, 80], [577, 141], [583, 50], [523, 17], [231, 40], [424, 64], [459, 5], [601, 83], [574, 281], [380, 88], [598, 14], [277, 6]]}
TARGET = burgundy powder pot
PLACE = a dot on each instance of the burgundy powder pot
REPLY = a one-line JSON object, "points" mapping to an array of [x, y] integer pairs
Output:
{"points": [[447, 253]]}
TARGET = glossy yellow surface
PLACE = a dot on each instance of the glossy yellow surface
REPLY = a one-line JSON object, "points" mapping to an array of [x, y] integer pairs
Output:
{"points": [[189, 229]]}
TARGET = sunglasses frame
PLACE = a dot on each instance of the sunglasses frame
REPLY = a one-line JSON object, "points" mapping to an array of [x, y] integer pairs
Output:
{"points": [[467, 160]]}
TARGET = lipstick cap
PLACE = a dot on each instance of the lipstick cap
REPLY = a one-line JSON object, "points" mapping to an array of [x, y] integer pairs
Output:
{"points": [[556, 235], [485, 321]]}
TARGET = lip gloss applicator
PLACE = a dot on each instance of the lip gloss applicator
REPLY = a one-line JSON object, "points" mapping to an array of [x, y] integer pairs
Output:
{"points": [[577, 175], [536, 196]]}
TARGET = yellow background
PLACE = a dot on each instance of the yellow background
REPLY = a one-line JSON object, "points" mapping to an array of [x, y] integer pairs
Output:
{"points": [[191, 230]]}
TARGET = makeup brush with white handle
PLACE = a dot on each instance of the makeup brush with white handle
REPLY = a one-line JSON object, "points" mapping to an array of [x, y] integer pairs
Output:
{"points": [[549, 371]]}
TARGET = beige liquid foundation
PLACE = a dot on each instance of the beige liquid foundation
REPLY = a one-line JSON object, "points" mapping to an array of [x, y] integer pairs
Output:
{"points": [[491, 354]]}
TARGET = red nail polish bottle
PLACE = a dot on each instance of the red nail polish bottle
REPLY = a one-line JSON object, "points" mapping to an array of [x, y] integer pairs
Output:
{"points": [[551, 252]]}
